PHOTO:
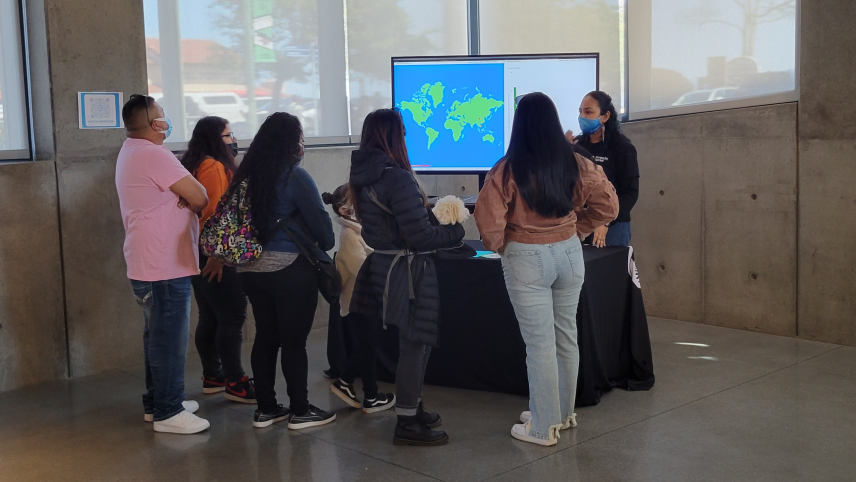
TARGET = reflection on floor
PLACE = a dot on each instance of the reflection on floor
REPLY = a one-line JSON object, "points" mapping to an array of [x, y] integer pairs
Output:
{"points": [[728, 405]]}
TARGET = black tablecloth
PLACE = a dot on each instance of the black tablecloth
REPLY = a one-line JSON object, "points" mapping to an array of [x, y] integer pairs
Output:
{"points": [[480, 343]]}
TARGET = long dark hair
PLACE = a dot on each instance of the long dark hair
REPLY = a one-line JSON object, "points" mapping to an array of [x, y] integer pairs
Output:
{"points": [[541, 160], [275, 148], [612, 127], [384, 129], [207, 141]]}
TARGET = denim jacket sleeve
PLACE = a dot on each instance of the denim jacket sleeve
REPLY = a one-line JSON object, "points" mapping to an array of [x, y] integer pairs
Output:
{"points": [[311, 207]]}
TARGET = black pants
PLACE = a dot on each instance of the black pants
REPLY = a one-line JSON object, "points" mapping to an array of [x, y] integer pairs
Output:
{"points": [[363, 358], [410, 376], [339, 342], [284, 305], [219, 334]]}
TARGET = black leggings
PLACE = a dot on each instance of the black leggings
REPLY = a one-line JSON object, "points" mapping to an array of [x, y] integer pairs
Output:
{"points": [[363, 358], [284, 305], [219, 334]]}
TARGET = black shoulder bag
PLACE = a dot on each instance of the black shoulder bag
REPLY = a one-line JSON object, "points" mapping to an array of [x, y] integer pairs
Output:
{"points": [[329, 281]]}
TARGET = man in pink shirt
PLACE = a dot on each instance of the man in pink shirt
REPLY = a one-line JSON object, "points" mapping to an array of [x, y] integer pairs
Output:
{"points": [[159, 200]]}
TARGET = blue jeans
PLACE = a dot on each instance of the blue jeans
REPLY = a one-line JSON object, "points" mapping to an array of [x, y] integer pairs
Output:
{"points": [[618, 234], [166, 309], [544, 283]]}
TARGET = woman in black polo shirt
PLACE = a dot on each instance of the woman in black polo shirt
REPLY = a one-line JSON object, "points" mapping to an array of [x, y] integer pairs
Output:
{"points": [[610, 149]]}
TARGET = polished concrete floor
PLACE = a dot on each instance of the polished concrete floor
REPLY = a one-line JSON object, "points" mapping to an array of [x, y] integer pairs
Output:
{"points": [[728, 406]]}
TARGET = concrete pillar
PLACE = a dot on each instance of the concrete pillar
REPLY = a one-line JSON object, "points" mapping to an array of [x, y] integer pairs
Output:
{"points": [[827, 172], [91, 45]]}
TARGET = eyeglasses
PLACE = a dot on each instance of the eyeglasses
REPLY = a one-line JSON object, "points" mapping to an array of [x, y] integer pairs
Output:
{"points": [[230, 135]]}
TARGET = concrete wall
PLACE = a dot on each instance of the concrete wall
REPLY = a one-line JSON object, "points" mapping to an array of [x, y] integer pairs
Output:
{"points": [[827, 172], [715, 226], [32, 324]]}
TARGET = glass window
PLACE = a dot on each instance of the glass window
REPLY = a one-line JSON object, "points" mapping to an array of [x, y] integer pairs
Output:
{"points": [[245, 59], [559, 26], [14, 130], [378, 30], [237, 59], [694, 52]]}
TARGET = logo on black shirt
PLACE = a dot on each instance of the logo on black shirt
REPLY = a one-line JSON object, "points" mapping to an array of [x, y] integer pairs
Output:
{"points": [[600, 159]]}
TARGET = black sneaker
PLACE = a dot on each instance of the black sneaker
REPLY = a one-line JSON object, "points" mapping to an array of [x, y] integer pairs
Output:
{"points": [[383, 401], [346, 392], [428, 419], [243, 391], [331, 374], [312, 418], [262, 420], [213, 385]]}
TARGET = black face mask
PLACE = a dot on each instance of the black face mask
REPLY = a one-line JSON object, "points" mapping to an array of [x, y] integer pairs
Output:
{"points": [[234, 147]]}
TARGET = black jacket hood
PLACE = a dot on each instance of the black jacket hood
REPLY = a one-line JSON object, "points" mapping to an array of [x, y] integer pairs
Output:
{"points": [[367, 166]]}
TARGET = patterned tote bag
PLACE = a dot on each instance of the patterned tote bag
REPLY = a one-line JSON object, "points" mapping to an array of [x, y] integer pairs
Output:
{"points": [[228, 234]]}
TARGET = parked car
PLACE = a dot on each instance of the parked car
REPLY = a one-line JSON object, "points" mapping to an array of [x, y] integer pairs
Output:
{"points": [[224, 104], [305, 109], [191, 109], [709, 95]]}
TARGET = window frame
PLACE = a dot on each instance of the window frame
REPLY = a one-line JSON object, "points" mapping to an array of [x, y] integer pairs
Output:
{"points": [[473, 34], [27, 153], [773, 98]]}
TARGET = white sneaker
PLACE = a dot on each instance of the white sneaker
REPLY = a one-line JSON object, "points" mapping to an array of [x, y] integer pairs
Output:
{"points": [[183, 423], [190, 405], [569, 422], [521, 432]]}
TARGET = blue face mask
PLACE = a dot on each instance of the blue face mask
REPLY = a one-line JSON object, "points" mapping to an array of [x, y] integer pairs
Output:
{"points": [[168, 130], [590, 126]]}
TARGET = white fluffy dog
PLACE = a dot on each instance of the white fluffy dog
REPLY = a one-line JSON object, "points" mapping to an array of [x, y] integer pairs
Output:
{"points": [[451, 210]]}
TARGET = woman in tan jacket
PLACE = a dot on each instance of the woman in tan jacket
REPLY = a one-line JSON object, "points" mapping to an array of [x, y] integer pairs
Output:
{"points": [[535, 204], [353, 251]]}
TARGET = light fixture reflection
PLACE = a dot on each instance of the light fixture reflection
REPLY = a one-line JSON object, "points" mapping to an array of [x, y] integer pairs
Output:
{"points": [[708, 358], [691, 344]]}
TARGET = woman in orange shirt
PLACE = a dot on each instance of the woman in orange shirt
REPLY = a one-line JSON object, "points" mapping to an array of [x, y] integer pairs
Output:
{"points": [[222, 304]]}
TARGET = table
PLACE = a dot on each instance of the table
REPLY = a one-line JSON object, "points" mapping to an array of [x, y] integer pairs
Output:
{"points": [[480, 343]]}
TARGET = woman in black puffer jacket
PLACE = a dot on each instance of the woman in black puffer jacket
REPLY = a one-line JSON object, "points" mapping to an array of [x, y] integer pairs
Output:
{"points": [[398, 282]]}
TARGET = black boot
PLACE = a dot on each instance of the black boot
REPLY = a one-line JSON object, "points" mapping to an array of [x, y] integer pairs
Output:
{"points": [[410, 432], [428, 419]]}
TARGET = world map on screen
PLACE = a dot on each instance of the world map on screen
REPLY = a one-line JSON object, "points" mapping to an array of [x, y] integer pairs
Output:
{"points": [[452, 113]]}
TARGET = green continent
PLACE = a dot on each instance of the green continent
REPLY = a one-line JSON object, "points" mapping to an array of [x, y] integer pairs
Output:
{"points": [[418, 110], [457, 127], [432, 136], [488, 138], [474, 111], [436, 93]]}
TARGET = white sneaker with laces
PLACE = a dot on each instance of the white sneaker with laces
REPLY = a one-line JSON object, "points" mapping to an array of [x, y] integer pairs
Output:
{"points": [[569, 422], [521, 432], [190, 405], [183, 423]]}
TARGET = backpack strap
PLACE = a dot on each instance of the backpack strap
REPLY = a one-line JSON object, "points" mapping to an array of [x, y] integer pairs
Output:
{"points": [[370, 192]]}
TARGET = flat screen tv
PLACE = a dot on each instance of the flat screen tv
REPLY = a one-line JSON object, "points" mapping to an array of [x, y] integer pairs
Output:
{"points": [[458, 111]]}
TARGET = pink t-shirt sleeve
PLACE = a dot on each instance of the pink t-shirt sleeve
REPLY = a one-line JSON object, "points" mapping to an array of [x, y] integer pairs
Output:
{"points": [[164, 168]]}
